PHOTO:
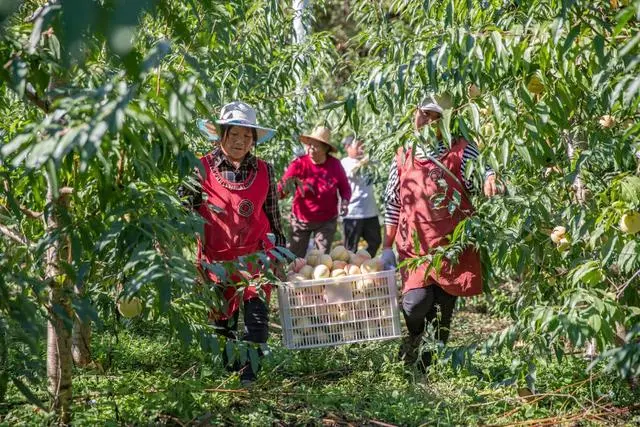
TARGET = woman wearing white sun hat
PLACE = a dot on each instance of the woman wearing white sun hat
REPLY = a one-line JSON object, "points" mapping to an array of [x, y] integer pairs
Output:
{"points": [[237, 197]]}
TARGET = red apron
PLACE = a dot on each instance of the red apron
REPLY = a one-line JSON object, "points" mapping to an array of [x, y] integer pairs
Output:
{"points": [[425, 216], [239, 227]]}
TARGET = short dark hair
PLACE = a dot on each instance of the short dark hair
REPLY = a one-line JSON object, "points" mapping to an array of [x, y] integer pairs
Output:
{"points": [[225, 129]]}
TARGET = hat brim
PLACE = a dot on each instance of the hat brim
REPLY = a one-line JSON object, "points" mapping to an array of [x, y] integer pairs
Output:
{"points": [[307, 138], [211, 130], [431, 107]]}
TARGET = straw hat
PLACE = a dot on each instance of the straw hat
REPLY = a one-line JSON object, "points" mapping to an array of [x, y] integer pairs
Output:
{"points": [[236, 113], [320, 134]]}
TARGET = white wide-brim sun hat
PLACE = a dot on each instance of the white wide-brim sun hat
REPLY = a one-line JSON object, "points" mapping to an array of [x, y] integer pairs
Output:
{"points": [[429, 103], [236, 113]]}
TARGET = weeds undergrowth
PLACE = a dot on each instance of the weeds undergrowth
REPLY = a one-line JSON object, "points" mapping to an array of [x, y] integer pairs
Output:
{"points": [[140, 377]]}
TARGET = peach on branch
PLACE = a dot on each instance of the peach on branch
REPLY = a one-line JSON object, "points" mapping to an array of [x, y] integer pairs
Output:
{"points": [[630, 223], [558, 233], [130, 307]]}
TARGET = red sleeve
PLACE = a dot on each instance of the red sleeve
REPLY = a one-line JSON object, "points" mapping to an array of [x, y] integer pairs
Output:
{"points": [[291, 171], [343, 182]]}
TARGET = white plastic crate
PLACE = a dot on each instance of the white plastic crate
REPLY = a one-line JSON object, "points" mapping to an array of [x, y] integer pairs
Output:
{"points": [[329, 312]]}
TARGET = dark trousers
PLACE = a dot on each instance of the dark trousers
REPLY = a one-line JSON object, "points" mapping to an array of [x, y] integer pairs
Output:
{"points": [[256, 330], [421, 307], [301, 234], [367, 228]]}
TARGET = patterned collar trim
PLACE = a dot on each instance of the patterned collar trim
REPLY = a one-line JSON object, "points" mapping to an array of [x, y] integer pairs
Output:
{"points": [[218, 157]]}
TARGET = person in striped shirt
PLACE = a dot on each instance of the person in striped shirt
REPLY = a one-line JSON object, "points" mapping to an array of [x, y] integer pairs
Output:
{"points": [[426, 197]]}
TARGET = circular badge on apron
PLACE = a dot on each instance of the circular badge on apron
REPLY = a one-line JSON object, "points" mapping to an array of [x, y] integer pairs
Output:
{"points": [[436, 175], [245, 208]]}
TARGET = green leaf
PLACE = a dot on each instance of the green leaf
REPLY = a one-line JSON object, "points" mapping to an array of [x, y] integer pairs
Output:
{"points": [[588, 273], [629, 97], [496, 37], [556, 28], [229, 348], [598, 44], [475, 117], [595, 322], [575, 31], [608, 250], [630, 189], [445, 126], [19, 73], [629, 258], [79, 15], [41, 19], [26, 392], [449, 18], [506, 151], [623, 18], [442, 59], [254, 358], [630, 44], [524, 153]]}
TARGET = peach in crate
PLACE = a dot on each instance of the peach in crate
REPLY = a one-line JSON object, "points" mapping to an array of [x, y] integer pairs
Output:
{"points": [[332, 311]]}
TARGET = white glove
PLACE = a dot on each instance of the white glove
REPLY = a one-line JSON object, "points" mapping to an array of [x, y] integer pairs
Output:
{"points": [[388, 259]]}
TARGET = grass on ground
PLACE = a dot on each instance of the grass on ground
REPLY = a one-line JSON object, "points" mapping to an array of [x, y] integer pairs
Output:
{"points": [[144, 378]]}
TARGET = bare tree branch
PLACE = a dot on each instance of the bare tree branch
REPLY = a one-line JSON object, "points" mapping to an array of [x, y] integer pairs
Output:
{"points": [[577, 185], [621, 290], [29, 93], [25, 210], [13, 235]]}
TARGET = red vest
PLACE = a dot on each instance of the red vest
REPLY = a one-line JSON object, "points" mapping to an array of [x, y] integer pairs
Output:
{"points": [[425, 216], [239, 227]]}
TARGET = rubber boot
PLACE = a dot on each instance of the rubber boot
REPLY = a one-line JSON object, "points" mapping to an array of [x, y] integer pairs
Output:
{"points": [[230, 367], [409, 349], [425, 360]]}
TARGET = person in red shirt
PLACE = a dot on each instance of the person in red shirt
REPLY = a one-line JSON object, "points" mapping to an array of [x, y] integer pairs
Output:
{"points": [[320, 185]]}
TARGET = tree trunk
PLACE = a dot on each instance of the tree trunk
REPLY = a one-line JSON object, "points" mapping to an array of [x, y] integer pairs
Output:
{"points": [[299, 36], [4, 361], [81, 345], [59, 360], [591, 349], [578, 186], [300, 32]]}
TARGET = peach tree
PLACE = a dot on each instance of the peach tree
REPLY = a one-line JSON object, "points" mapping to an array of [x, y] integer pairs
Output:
{"points": [[549, 91], [99, 101]]}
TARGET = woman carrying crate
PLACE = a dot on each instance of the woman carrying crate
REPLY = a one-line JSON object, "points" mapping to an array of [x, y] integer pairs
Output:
{"points": [[237, 198], [426, 198], [320, 184]]}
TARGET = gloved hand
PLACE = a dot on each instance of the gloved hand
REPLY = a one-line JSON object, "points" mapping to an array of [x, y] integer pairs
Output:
{"points": [[344, 209], [388, 259]]}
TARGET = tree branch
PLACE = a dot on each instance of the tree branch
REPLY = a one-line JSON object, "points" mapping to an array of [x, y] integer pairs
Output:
{"points": [[25, 210], [29, 93], [628, 282], [13, 235]]}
